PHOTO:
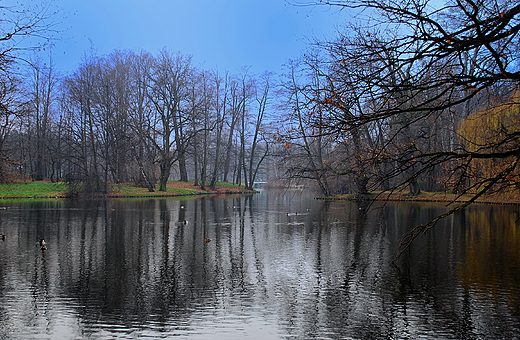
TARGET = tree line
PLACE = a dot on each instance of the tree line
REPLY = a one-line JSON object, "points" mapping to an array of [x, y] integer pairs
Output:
{"points": [[414, 94], [400, 99], [134, 117]]}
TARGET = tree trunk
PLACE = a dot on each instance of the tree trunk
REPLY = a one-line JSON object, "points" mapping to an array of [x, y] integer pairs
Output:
{"points": [[220, 127], [165, 167]]}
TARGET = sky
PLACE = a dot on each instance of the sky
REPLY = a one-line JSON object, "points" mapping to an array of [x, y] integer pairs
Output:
{"points": [[223, 34]]}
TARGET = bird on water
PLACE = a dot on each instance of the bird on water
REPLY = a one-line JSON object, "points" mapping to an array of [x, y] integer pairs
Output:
{"points": [[43, 245]]}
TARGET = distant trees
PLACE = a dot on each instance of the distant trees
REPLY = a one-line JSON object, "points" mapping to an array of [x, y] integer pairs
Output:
{"points": [[124, 117], [134, 117], [391, 103]]}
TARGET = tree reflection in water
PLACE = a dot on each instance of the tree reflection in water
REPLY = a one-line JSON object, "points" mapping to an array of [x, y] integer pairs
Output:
{"points": [[277, 267]]}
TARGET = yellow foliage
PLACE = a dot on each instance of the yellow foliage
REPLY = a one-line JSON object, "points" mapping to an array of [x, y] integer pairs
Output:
{"points": [[485, 128], [486, 131]]}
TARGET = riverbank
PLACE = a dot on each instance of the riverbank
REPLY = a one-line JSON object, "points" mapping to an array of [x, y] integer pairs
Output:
{"points": [[44, 189], [438, 197]]}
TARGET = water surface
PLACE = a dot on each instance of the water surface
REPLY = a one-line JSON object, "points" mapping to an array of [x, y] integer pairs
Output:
{"points": [[277, 267]]}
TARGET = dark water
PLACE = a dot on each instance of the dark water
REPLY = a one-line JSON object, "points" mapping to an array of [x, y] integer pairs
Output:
{"points": [[287, 267]]}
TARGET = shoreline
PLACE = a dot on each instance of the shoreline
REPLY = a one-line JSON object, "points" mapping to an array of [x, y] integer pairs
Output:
{"points": [[431, 197], [48, 190]]}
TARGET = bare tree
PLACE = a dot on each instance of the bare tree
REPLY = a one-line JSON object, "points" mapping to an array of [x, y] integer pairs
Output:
{"points": [[245, 95], [80, 88], [254, 161], [42, 92], [167, 92], [415, 63], [194, 109], [10, 110], [207, 126], [220, 102], [142, 120], [21, 29], [235, 106], [304, 143]]}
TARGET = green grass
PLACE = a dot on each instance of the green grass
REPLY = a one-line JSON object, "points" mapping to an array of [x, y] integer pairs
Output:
{"points": [[33, 190], [227, 185], [128, 190]]}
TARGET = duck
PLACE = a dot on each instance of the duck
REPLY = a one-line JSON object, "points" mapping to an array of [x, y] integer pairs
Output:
{"points": [[42, 244], [207, 240], [3, 237]]}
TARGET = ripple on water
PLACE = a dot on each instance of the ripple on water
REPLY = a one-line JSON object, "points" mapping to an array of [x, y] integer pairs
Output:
{"points": [[274, 277]]}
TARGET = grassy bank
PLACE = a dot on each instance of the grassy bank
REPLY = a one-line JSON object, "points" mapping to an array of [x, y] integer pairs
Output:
{"points": [[59, 190], [33, 190]]}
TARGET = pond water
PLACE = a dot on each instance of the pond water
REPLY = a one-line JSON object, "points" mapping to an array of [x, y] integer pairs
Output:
{"points": [[266, 266]]}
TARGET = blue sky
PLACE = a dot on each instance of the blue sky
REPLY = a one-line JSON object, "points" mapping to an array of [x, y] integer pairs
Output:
{"points": [[228, 34]]}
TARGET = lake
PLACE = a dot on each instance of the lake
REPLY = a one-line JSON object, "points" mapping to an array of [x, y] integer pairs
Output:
{"points": [[266, 266]]}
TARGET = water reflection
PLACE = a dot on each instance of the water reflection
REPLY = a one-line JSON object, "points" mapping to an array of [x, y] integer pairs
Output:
{"points": [[277, 267]]}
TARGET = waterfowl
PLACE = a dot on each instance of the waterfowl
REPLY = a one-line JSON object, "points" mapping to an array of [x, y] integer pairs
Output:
{"points": [[42, 244], [207, 240], [3, 237]]}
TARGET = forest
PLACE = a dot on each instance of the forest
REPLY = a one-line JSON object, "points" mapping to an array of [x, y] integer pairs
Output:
{"points": [[413, 95], [130, 117]]}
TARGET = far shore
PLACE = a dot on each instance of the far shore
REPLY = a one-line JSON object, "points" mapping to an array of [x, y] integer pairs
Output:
{"points": [[435, 197], [60, 190]]}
